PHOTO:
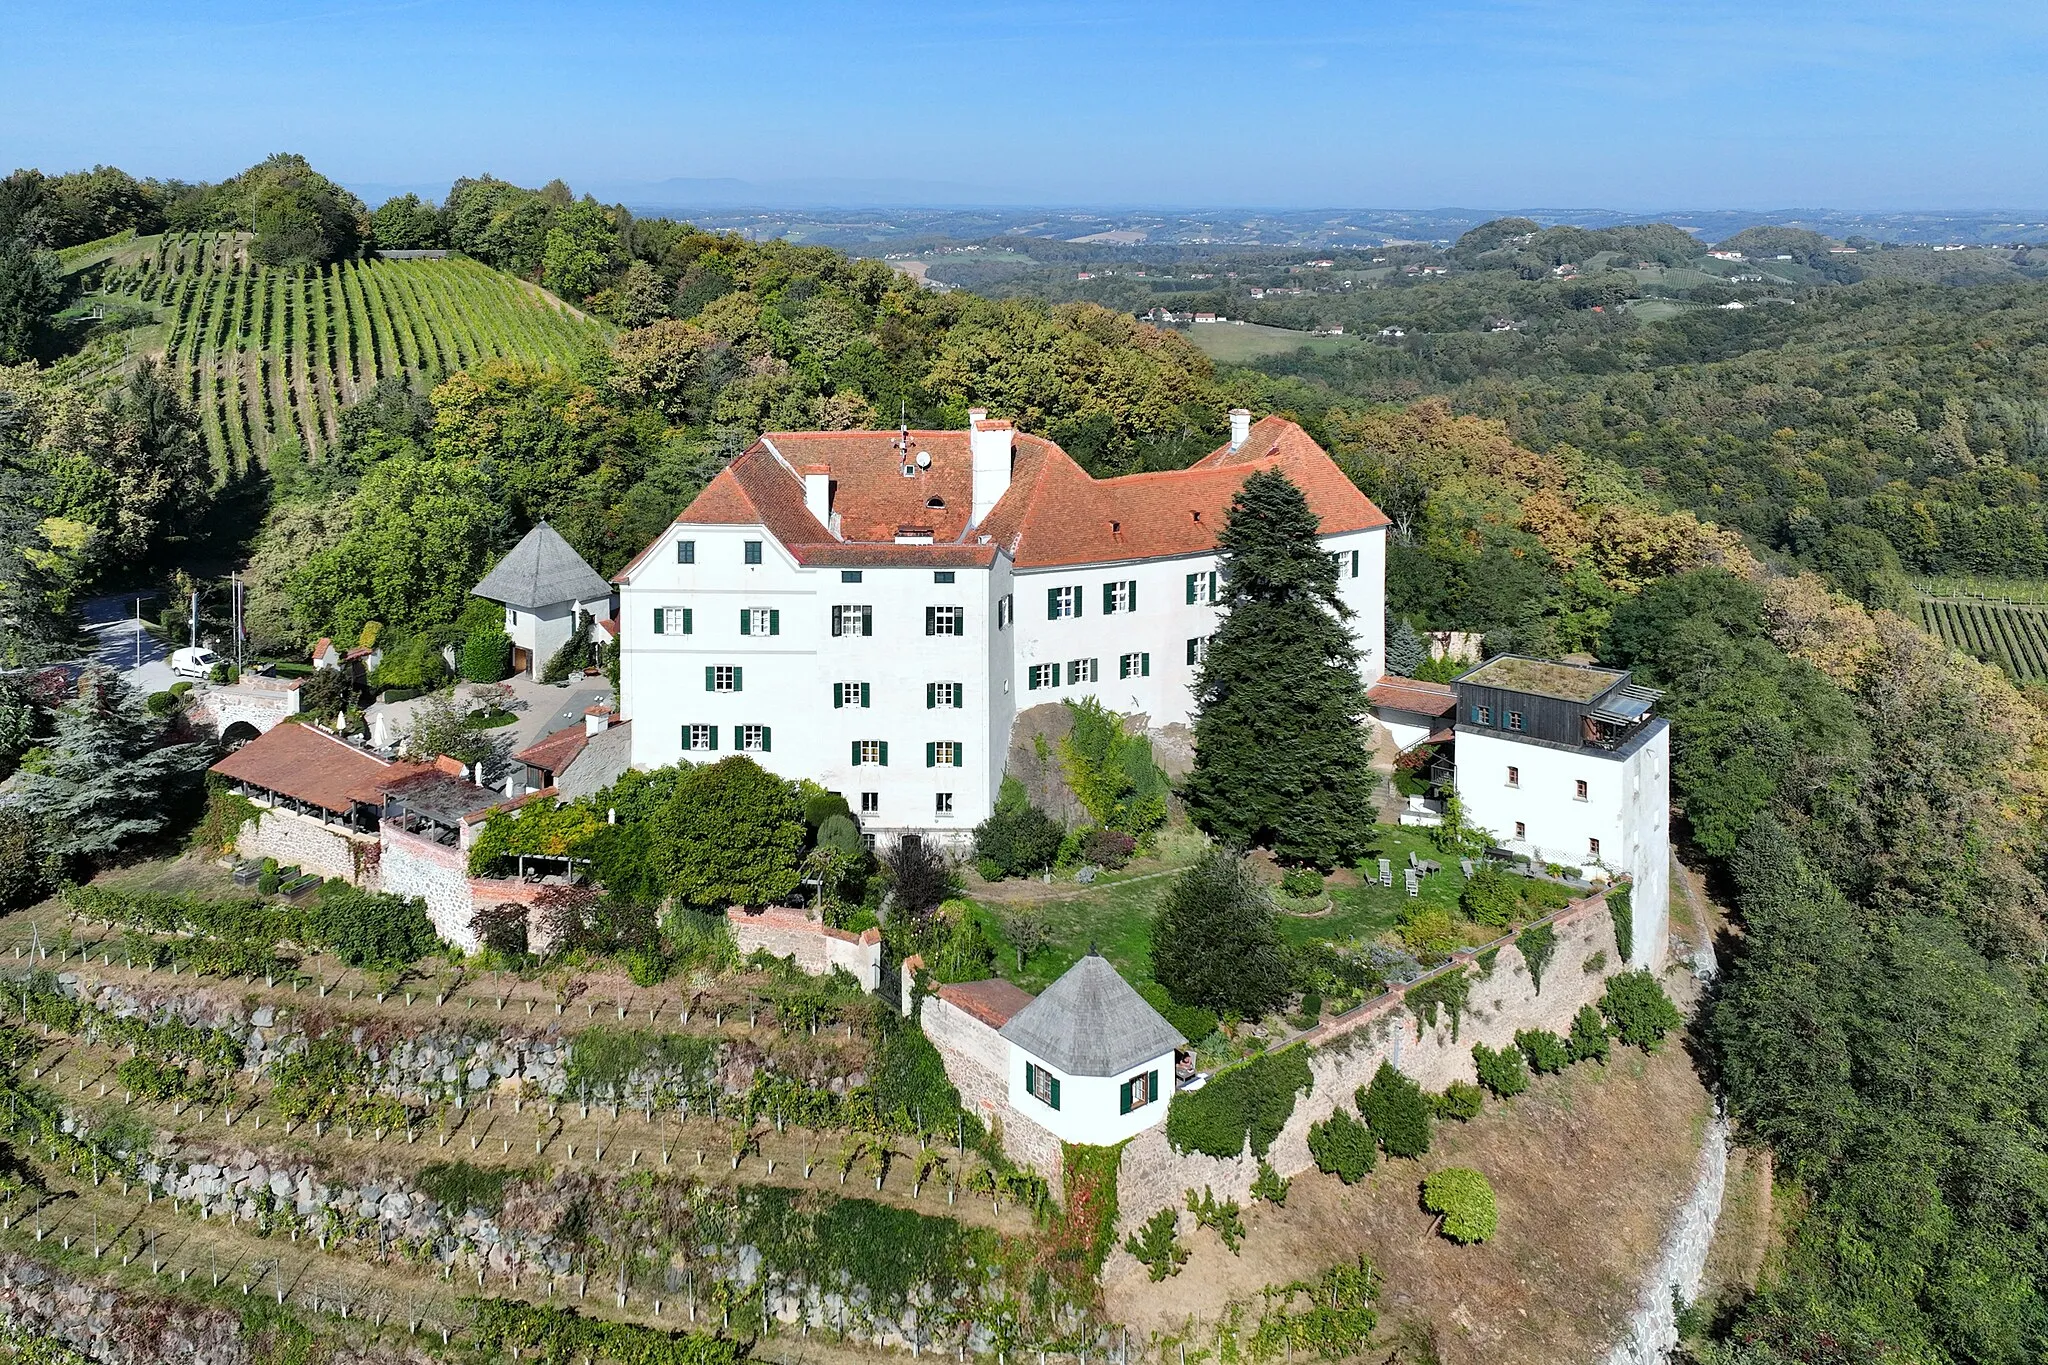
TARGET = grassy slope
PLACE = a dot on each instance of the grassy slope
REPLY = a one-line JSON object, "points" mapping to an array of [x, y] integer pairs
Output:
{"points": [[1230, 344]]}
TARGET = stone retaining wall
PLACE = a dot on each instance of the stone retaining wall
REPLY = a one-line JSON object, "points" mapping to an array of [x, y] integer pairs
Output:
{"points": [[1348, 1050], [294, 839], [977, 1061], [106, 1325], [815, 945]]}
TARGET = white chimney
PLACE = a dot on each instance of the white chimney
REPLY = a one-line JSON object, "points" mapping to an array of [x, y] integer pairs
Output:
{"points": [[597, 720], [818, 492], [991, 443], [1240, 427]]}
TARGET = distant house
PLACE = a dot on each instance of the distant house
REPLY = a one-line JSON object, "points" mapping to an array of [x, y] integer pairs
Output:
{"points": [[1206, 317], [1090, 1061], [1734, 304], [1392, 333], [542, 584], [1726, 255], [1413, 712], [582, 759], [326, 654]]}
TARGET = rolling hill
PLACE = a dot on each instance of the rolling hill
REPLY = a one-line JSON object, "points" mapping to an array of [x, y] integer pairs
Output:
{"points": [[271, 354]]}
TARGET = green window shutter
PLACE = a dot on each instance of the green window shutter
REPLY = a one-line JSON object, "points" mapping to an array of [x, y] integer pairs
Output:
{"points": [[1123, 666], [1108, 601], [1052, 604], [1212, 585], [931, 695], [931, 620], [689, 620], [1191, 650], [1123, 1098], [774, 621], [1191, 588], [959, 754], [1145, 665], [1152, 1083], [737, 680], [1131, 596], [1080, 596], [1055, 1081], [867, 620], [863, 694], [959, 695], [714, 737], [856, 754], [746, 622], [764, 739], [838, 695], [710, 679], [885, 753], [1030, 1079], [931, 750], [658, 622]]}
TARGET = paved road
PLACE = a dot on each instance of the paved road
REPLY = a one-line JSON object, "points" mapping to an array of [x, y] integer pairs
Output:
{"points": [[121, 643]]}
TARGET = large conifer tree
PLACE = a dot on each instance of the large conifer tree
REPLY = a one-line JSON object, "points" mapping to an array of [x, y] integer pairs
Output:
{"points": [[1280, 758]]}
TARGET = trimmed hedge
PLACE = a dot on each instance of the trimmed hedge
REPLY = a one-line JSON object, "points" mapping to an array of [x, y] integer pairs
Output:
{"points": [[1244, 1103]]}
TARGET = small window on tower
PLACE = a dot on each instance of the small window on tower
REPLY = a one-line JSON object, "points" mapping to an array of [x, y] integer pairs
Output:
{"points": [[1592, 848], [1514, 776], [1521, 830], [1579, 790]]}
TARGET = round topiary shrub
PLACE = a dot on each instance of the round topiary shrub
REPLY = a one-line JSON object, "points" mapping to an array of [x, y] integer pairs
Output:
{"points": [[1302, 881], [161, 703], [1464, 1200]]}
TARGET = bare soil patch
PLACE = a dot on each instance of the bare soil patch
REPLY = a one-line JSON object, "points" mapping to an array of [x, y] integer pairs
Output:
{"points": [[1589, 1168]]}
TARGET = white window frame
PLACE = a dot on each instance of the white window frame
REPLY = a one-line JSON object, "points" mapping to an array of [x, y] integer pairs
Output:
{"points": [[725, 678], [1038, 677], [946, 753], [693, 747], [871, 804], [945, 694], [1120, 595], [749, 737], [852, 693], [949, 620], [1081, 671], [861, 617], [760, 621], [942, 805], [675, 621], [870, 753], [1066, 603]]}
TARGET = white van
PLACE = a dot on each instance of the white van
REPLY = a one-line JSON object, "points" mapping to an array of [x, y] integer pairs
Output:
{"points": [[194, 663]]}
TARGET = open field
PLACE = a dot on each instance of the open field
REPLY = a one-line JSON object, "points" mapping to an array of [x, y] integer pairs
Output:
{"points": [[2010, 635], [269, 354], [2034, 590], [1227, 343]]}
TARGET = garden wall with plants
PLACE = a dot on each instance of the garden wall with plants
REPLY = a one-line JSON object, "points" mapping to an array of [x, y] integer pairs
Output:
{"points": [[1538, 978], [816, 946], [300, 841]]}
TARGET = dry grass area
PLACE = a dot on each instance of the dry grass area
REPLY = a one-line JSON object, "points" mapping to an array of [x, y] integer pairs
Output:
{"points": [[1589, 1167]]}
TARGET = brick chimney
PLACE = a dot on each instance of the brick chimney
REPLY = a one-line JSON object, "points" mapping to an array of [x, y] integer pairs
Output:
{"points": [[992, 444], [1240, 427]]}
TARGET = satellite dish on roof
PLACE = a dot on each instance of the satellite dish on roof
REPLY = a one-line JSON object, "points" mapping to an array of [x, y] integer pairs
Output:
{"points": [[924, 459]]}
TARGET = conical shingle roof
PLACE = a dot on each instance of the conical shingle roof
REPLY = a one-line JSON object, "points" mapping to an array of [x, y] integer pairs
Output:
{"points": [[1091, 1022], [542, 571]]}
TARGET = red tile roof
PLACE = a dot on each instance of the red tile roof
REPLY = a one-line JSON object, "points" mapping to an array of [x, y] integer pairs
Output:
{"points": [[1408, 694], [993, 1002], [557, 751], [308, 764], [1054, 513]]}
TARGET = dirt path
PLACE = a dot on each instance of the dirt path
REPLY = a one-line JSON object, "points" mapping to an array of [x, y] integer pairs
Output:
{"points": [[1589, 1168]]}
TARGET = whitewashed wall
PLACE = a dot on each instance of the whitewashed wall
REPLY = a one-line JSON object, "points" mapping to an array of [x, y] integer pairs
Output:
{"points": [[1089, 1104]]}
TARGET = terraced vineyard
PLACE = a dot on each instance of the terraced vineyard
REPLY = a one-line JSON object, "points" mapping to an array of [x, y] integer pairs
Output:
{"points": [[2012, 635], [276, 353]]}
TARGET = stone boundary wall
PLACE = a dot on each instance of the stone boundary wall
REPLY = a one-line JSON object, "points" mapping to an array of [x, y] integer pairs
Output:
{"points": [[1350, 1048], [295, 839], [977, 1061], [816, 946], [119, 1328]]}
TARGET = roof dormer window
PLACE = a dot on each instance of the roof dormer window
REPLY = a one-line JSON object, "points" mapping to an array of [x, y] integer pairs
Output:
{"points": [[936, 504]]}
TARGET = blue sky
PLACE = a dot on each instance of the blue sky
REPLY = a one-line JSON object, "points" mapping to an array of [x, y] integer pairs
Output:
{"points": [[1629, 104]]}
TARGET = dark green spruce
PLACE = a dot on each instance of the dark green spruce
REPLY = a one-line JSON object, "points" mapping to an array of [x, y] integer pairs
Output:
{"points": [[1280, 759]]}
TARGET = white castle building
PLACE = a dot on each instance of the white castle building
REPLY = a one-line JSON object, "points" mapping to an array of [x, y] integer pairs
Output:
{"points": [[1565, 764], [871, 609]]}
